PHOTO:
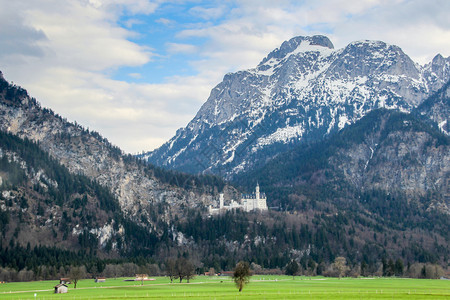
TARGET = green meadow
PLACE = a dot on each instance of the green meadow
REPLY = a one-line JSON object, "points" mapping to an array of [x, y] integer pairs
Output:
{"points": [[260, 287]]}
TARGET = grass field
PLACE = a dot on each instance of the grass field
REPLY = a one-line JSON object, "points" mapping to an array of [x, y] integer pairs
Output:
{"points": [[260, 287]]}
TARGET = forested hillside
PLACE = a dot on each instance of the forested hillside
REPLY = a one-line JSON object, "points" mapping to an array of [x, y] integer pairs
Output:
{"points": [[42, 203], [374, 192]]}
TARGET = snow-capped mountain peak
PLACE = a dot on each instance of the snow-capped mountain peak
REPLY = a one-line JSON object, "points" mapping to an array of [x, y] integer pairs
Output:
{"points": [[299, 44], [301, 91]]}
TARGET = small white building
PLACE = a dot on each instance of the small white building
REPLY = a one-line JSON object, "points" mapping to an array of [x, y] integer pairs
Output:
{"points": [[61, 288], [249, 202]]}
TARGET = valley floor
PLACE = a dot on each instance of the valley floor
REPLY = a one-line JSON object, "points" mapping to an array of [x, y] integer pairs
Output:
{"points": [[260, 287]]}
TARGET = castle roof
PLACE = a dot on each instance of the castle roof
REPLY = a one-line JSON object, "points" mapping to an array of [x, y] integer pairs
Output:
{"points": [[253, 196]]}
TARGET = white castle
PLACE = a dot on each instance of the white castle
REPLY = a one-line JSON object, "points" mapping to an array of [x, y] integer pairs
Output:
{"points": [[249, 202]]}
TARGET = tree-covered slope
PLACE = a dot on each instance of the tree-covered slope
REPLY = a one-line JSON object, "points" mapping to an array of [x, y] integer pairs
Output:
{"points": [[373, 192], [42, 203], [389, 151]]}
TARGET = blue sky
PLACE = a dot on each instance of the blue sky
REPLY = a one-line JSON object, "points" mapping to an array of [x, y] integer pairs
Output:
{"points": [[159, 31], [137, 70]]}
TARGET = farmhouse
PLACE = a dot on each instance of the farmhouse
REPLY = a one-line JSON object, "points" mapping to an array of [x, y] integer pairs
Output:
{"points": [[249, 202], [61, 288]]}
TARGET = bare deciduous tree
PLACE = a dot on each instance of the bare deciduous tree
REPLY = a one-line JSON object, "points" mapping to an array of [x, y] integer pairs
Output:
{"points": [[76, 273], [340, 265], [242, 274], [189, 270], [184, 269], [171, 269]]}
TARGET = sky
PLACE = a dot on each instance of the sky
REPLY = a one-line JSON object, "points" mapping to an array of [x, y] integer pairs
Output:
{"points": [[137, 70]]}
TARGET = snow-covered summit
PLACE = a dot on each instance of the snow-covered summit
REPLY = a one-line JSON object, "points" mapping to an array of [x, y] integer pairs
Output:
{"points": [[299, 44], [303, 90]]}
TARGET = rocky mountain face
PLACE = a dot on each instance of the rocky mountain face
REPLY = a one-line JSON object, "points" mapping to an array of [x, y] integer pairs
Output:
{"points": [[42, 203], [302, 91], [385, 152], [400, 155], [145, 194], [437, 109]]}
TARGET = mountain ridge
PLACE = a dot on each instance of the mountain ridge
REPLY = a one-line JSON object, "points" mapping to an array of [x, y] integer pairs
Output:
{"points": [[294, 96], [140, 189]]}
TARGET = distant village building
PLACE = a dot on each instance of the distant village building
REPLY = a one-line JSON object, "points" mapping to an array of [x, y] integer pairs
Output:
{"points": [[141, 277], [249, 202], [61, 289]]}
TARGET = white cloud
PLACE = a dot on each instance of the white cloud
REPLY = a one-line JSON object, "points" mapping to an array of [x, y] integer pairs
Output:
{"points": [[62, 51], [421, 28], [131, 22], [208, 13], [165, 21], [129, 115], [17, 39], [81, 37], [131, 6], [254, 28], [174, 48], [135, 75]]}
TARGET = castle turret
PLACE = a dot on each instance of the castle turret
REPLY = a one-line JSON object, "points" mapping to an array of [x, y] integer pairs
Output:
{"points": [[220, 201], [257, 191]]}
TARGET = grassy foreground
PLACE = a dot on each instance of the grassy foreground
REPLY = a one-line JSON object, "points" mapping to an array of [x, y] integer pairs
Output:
{"points": [[260, 287]]}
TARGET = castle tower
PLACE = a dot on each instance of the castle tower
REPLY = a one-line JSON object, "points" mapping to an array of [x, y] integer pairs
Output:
{"points": [[220, 201], [257, 191]]}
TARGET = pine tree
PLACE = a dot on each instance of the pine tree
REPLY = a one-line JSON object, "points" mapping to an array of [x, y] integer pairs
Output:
{"points": [[292, 269]]}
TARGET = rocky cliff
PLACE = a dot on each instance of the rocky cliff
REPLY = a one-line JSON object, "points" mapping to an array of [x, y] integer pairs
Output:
{"points": [[42, 203], [137, 187], [385, 152], [437, 109]]}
